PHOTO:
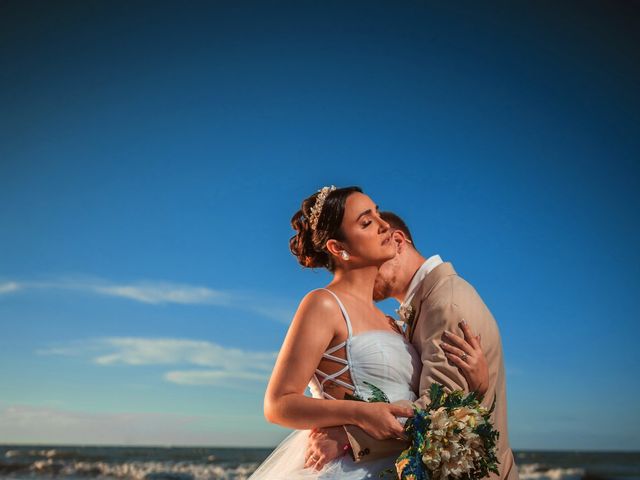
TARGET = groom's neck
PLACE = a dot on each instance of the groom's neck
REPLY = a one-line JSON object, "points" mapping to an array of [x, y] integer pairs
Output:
{"points": [[412, 264]]}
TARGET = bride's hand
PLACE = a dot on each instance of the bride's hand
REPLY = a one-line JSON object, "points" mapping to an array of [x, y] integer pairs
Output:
{"points": [[466, 354], [380, 420]]}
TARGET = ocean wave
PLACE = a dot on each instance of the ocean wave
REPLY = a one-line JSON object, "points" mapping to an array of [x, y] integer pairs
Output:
{"points": [[158, 470], [47, 453], [539, 471], [132, 470], [199, 463], [13, 453]]}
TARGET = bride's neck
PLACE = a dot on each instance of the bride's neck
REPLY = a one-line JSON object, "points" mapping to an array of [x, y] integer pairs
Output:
{"points": [[357, 282]]}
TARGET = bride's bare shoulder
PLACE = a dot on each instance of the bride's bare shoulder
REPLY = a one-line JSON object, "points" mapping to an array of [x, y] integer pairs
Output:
{"points": [[321, 301], [319, 306]]}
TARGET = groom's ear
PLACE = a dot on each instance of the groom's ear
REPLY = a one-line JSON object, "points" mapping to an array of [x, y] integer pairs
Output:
{"points": [[400, 240]]}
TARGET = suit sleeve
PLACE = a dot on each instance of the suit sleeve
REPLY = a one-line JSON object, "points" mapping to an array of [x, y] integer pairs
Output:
{"points": [[428, 335], [365, 447]]}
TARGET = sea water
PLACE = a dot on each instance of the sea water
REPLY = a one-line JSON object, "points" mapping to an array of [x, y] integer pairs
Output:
{"points": [[46, 462]]}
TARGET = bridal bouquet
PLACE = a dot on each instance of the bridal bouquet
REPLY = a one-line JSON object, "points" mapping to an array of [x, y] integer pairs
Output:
{"points": [[452, 438]]}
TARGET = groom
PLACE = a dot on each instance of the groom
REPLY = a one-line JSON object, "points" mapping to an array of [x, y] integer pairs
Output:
{"points": [[434, 299]]}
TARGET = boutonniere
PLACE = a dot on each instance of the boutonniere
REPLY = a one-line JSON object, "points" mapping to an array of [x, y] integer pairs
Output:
{"points": [[407, 314]]}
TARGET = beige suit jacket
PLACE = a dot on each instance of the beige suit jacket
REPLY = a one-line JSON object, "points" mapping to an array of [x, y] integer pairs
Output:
{"points": [[441, 301]]}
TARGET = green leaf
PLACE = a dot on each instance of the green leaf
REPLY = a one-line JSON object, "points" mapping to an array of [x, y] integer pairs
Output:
{"points": [[436, 392], [470, 399], [377, 394], [493, 405], [454, 399], [354, 396]]}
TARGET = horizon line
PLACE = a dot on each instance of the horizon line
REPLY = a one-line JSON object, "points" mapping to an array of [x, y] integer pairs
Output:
{"points": [[145, 445]]}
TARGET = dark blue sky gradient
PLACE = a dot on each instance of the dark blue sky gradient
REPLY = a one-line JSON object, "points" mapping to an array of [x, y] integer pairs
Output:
{"points": [[172, 142]]}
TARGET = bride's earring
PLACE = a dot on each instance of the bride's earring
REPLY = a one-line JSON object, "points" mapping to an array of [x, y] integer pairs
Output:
{"points": [[344, 255]]}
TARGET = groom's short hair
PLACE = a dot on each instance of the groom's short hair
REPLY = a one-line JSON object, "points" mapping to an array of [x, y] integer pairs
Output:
{"points": [[397, 223]]}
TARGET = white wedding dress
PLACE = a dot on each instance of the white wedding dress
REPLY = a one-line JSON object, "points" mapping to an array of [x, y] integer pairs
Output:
{"points": [[376, 357]]}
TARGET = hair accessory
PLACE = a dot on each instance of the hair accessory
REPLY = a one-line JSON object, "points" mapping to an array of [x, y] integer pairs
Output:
{"points": [[316, 210]]}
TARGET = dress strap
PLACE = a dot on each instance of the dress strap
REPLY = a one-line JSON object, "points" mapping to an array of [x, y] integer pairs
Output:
{"points": [[344, 312], [345, 362]]}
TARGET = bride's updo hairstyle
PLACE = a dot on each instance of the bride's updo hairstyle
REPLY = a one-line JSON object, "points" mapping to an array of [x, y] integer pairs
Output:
{"points": [[308, 244]]}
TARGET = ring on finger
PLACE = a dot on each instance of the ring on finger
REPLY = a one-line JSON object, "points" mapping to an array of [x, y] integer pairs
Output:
{"points": [[464, 357]]}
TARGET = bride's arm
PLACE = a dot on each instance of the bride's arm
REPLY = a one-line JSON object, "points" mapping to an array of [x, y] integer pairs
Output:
{"points": [[314, 325]]}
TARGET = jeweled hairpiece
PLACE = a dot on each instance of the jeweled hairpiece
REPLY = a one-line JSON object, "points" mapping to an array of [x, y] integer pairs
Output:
{"points": [[316, 210]]}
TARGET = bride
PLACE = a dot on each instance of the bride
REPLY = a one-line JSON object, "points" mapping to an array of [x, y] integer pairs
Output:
{"points": [[339, 343]]}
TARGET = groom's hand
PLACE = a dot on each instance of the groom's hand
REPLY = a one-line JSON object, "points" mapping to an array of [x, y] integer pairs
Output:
{"points": [[324, 445]]}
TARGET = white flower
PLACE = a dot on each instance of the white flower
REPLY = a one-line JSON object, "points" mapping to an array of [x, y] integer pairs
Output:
{"points": [[453, 446], [439, 419], [406, 314]]}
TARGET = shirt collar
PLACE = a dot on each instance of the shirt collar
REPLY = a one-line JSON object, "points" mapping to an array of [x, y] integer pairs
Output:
{"points": [[426, 268]]}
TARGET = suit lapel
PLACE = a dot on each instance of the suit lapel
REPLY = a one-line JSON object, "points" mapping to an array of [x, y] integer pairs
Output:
{"points": [[424, 290]]}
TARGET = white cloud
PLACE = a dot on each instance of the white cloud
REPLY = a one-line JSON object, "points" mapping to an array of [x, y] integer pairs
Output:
{"points": [[160, 293], [224, 366], [9, 287], [157, 293], [145, 292], [215, 377]]}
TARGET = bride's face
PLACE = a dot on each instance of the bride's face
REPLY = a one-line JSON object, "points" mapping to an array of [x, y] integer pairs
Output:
{"points": [[367, 236]]}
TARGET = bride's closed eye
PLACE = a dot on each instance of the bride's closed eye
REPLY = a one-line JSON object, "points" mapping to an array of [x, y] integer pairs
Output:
{"points": [[366, 223]]}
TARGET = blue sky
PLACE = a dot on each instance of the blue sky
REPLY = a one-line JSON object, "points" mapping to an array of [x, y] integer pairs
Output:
{"points": [[152, 154]]}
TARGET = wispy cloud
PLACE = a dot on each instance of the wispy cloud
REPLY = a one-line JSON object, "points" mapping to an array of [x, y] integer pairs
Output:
{"points": [[9, 287], [160, 293], [223, 366], [157, 293], [215, 377], [146, 292]]}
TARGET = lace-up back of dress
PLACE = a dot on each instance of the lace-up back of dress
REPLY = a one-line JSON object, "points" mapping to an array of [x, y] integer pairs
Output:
{"points": [[375, 357], [323, 381]]}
